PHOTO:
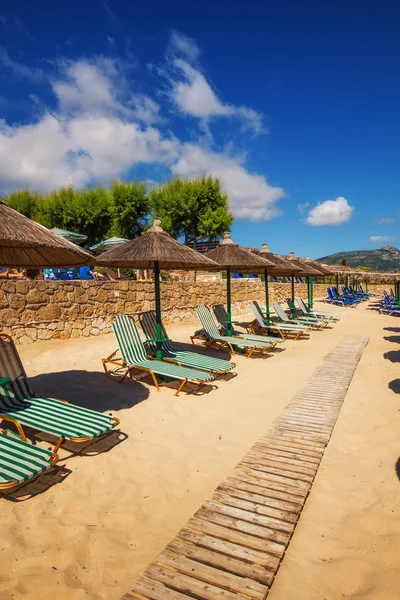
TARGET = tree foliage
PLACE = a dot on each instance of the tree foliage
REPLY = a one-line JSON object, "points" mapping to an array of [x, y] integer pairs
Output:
{"points": [[189, 208], [192, 208]]}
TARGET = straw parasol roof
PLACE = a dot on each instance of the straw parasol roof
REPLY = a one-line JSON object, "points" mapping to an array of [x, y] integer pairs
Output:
{"points": [[281, 265], [306, 269], [25, 243], [317, 266], [229, 254], [155, 245]]}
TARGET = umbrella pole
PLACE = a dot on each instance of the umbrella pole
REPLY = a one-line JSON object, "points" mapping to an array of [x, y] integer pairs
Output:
{"points": [[292, 307], [310, 293], [158, 309], [268, 315], [228, 302], [337, 282], [366, 286]]}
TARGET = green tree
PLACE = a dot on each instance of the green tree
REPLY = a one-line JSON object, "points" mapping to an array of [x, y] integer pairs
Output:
{"points": [[24, 201], [192, 208], [129, 208]]}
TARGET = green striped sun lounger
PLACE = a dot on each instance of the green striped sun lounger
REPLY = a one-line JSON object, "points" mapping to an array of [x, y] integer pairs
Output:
{"points": [[189, 359], [21, 461], [50, 415], [214, 338], [296, 322], [260, 324], [133, 356], [316, 313], [221, 316]]}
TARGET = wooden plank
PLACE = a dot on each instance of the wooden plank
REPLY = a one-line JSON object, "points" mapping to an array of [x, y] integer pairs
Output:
{"points": [[287, 484], [274, 490], [237, 537], [152, 590], [211, 575], [284, 464], [254, 507], [232, 566], [256, 558], [249, 516], [237, 524], [246, 491], [285, 457], [189, 585], [268, 469]]}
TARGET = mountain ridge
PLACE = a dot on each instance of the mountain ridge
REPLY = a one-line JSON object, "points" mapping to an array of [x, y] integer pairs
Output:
{"points": [[386, 258]]}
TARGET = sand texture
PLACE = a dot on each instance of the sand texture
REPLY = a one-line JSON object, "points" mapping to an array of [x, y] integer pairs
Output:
{"points": [[114, 506]]}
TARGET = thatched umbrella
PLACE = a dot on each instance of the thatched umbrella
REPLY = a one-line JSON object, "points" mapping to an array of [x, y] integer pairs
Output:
{"points": [[156, 249], [281, 267], [25, 243], [231, 257], [309, 272]]}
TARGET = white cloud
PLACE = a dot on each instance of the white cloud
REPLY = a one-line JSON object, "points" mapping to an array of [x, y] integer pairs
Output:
{"points": [[102, 128], [385, 221], [250, 196], [180, 44], [330, 212], [22, 29], [193, 95], [3, 19], [145, 109], [380, 239], [302, 208]]}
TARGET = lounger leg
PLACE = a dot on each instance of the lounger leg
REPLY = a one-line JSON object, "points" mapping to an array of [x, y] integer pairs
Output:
{"points": [[155, 380], [57, 446], [180, 388], [250, 352]]}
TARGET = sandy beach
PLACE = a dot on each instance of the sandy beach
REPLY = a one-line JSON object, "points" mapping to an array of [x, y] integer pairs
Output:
{"points": [[107, 515]]}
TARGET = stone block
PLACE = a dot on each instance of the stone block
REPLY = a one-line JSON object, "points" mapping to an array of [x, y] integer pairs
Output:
{"points": [[45, 334], [50, 312], [9, 316], [65, 335]]}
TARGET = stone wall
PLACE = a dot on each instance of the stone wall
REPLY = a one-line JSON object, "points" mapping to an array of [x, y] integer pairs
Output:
{"points": [[40, 310]]}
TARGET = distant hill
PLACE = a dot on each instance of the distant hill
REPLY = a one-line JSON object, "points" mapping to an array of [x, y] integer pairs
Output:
{"points": [[382, 259]]}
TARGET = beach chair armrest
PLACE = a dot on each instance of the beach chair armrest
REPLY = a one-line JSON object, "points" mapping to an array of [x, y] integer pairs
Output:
{"points": [[231, 322], [155, 341], [4, 381]]}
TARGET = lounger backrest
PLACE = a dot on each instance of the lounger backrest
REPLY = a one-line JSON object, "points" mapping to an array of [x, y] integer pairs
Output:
{"points": [[257, 313], [301, 304], [148, 322], [11, 366], [220, 314], [129, 342], [208, 322], [280, 312]]}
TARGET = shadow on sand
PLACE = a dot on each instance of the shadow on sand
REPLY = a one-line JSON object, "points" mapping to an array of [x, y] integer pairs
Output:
{"points": [[393, 356], [393, 329], [394, 386], [392, 338], [37, 486], [398, 468], [89, 389]]}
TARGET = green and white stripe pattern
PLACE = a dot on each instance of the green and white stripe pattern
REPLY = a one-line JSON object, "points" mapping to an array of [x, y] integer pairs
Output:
{"points": [[296, 323], [316, 313], [44, 414], [258, 315], [20, 461], [221, 316], [133, 353], [211, 330], [189, 359]]}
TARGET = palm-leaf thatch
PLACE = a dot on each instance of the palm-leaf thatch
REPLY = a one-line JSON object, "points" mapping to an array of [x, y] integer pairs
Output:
{"points": [[305, 268], [25, 243], [155, 245], [281, 265], [229, 254], [317, 266]]}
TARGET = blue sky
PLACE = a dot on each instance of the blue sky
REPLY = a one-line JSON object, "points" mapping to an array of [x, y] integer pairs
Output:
{"points": [[294, 105]]}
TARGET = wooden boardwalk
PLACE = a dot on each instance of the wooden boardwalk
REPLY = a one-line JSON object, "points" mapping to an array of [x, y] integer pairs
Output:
{"points": [[232, 548]]}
